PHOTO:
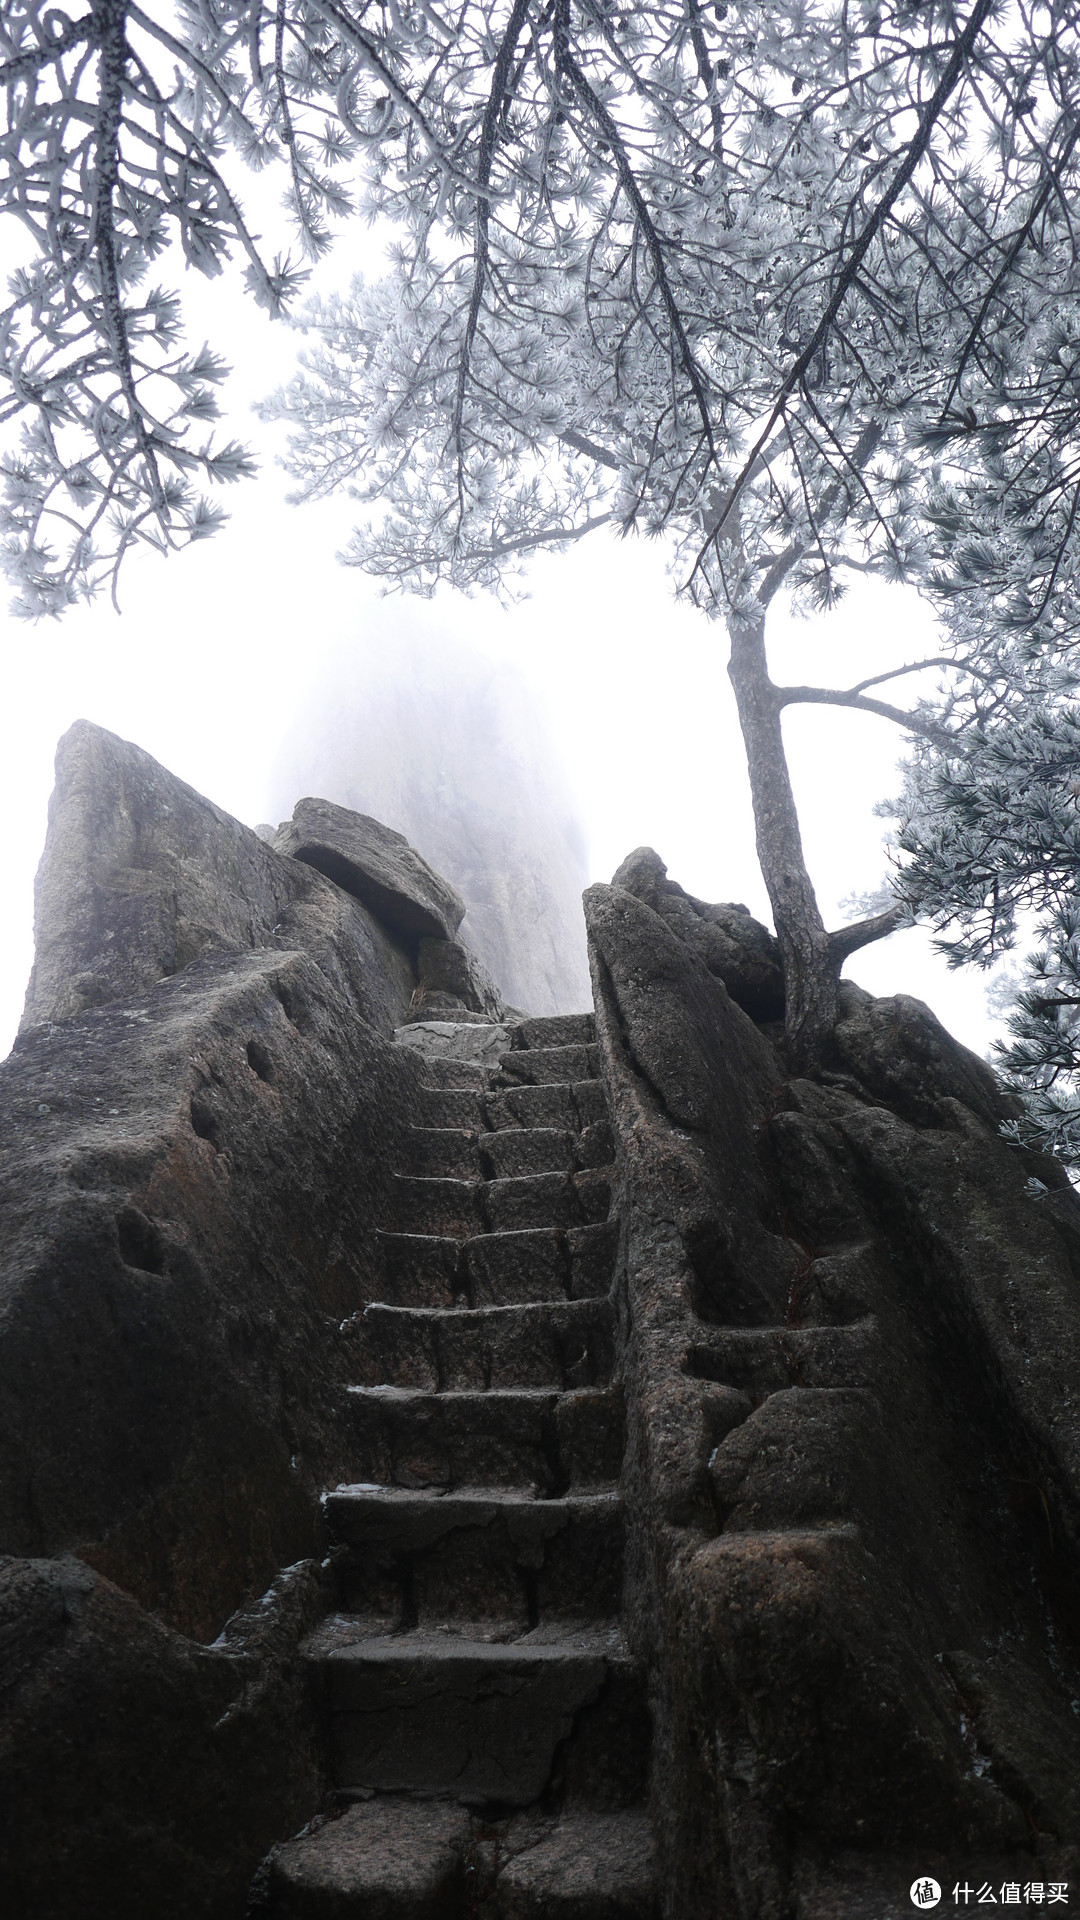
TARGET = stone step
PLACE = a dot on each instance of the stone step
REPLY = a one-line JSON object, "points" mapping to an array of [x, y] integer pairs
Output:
{"points": [[572, 1104], [556, 1030], [432, 1713], [425, 1559], [547, 1200], [392, 1858], [460, 1107], [459, 1209], [514, 1151], [451, 1209], [544, 1344], [469, 1154], [454, 1075], [499, 1269], [385, 1859], [444, 1153], [581, 1866], [520, 1150], [548, 1066], [764, 1360], [543, 1442]]}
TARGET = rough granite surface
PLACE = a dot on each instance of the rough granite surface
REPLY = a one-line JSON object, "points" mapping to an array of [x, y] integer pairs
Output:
{"points": [[851, 1328]]}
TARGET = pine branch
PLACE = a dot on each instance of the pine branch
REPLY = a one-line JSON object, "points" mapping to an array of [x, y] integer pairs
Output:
{"points": [[845, 941], [862, 703], [904, 173]]}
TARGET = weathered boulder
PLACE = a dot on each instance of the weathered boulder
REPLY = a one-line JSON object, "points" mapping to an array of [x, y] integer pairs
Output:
{"points": [[375, 864], [142, 1773], [898, 1050], [736, 948], [140, 874], [425, 731]]}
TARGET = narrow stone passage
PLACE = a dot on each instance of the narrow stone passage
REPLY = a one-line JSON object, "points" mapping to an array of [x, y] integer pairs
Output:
{"points": [[489, 1730]]}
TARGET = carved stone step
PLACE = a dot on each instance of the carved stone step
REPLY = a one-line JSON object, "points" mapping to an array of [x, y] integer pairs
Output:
{"points": [[452, 1107], [426, 1559], [386, 1859], [499, 1269], [454, 1075], [573, 1105], [557, 1344], [444, 1153], [546, 1066], [523, 1150], [762, 1360], [393, 1858], [450, 1208], [461, 1208], [582, 1866], [547, 1199], [429, 1713], [548, 1443], [459, 1153], [556, 1030]]}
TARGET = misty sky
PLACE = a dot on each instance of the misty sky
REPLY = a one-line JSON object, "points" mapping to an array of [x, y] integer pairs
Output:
{"points": [[217, 649]]}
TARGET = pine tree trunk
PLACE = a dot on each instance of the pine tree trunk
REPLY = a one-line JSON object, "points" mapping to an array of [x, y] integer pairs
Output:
{"points": [[811, 968]]}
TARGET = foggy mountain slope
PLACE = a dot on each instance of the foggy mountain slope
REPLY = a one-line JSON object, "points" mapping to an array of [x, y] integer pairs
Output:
{"points": [[445, 745]]}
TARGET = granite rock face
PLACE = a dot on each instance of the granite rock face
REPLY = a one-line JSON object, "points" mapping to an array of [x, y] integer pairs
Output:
{"points": [[141, 1773], [375, 864], [140, 875], [852, 1337], [192, 1175], [734, 947]]}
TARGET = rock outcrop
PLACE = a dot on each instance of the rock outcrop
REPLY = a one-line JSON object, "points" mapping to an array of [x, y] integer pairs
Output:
{"points": [[452, 976], [734, 947], [140, 875], [141, 1773], [853, 1478], [374, 863], [194, 1167]]}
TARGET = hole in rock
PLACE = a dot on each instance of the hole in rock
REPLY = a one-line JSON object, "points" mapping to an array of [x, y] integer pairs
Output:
{"points": [[141, 1245], [204, 1119], [293, 1006], [259, 1060]]}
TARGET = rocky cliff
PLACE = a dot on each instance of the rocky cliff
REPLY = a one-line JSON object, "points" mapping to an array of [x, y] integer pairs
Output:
{"points": [[840, 1529]]}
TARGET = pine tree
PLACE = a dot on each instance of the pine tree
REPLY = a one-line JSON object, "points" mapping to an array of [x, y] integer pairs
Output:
{"points": [[989, 848], [792, 285]]}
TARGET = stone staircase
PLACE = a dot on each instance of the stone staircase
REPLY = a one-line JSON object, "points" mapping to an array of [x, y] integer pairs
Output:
{"points": [[488, 1729]]}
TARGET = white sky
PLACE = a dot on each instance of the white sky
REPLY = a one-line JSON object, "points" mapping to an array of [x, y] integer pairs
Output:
{"points": [[216, 649]]}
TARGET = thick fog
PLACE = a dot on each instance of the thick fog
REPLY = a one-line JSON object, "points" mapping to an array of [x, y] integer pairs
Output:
{"points": [[447, 745]]}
